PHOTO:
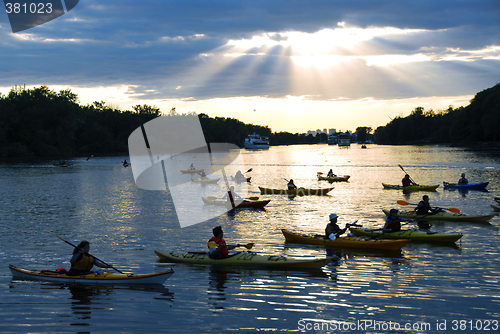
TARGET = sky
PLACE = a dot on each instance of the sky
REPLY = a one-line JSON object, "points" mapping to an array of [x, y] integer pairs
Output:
{"points": [[291, 65]]}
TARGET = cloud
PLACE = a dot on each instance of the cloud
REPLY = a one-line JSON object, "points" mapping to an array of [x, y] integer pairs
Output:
{"points": [[216, 49]]}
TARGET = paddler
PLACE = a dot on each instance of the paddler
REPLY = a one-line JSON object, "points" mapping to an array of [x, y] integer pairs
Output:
{"points": [[463, 180], [217, 245], [330, 173], [424, 208], [82, 262], [291, 185], [332, 230], [393, 222], [407, 182]]}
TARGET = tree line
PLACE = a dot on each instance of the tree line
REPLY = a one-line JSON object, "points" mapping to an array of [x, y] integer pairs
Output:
{"points": [[40, 122], [477, 122]]}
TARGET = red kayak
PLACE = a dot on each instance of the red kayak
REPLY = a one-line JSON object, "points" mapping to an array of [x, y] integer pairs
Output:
{"points": [[244, 204]]}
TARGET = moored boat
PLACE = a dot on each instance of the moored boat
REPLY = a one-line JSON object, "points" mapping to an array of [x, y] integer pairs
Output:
{"points": [[412, 187], [245, 259], [445, 216], [421, 236], [336, 178], [470, 186], [298, 191], [344, 242], [243, 204], [98, 277], [255, 141]]}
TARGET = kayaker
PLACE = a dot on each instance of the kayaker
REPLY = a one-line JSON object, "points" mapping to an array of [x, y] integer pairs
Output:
{"points": [[203, 176], [407, 182], [291, 185], [191, 167], [330, 173], [393, 222], [463, 180], [332, 230], [217, 245], [233, 193], [239, 175], [424, 208], [82, 262]]}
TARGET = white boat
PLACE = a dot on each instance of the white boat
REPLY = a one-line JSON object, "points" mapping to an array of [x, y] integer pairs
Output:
{"points": [[255, 141]]}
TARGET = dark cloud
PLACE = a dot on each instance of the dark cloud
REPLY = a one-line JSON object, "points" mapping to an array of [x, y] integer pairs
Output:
{"points": [[157, 46]]}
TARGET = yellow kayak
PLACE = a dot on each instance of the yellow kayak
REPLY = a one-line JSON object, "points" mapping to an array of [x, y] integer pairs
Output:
{"points": [[345, 242], [98, 277], [444, 215], [245, 259], [299, 191]]}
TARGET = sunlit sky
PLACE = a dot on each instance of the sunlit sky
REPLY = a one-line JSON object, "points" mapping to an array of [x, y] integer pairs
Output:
{"points": [[290, 65]]}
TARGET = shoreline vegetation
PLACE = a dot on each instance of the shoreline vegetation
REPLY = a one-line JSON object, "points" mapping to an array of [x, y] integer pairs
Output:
{"points": [[40, 123]]}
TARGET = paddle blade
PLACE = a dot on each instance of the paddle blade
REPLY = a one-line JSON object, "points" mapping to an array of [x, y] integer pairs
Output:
{"points": [[251, 169], [319, 173], [454, 210], [249, 245], [255, 198], [401, 202]]}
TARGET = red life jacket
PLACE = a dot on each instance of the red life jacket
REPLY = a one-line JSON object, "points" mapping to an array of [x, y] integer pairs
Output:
{"points": [[223, 252], [394, 225]]}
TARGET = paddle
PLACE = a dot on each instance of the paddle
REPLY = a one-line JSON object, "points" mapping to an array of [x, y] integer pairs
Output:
{"points": [[69, 243], [454, 210], [247, 246], [407, 174], [251, 169]]}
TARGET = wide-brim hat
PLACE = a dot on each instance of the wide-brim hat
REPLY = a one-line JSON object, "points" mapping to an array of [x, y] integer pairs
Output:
{"points": [[333, 216]]}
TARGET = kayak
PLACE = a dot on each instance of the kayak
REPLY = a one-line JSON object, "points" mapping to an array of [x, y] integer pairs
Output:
{"points": [[245, 259], [192, 171], [244, 204], [336, 178], [412, 187], [345, 242], [495, 207], [412, 235], [470, 186], [99, 277], [444, 215], [298, 191], [240, 179], [206, 181]]}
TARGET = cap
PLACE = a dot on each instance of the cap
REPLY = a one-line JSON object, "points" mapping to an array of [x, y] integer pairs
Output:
{"points": [[333, 216], [393, 211]]}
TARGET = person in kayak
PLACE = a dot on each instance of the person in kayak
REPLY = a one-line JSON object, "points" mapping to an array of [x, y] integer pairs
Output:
{"points": [[82, 262], [191, 167], [291, 185], [424, 208], [330, 173], [393, 222], [217, 246], [463, 180], [232, 196], [407, 182], [332, 230]]}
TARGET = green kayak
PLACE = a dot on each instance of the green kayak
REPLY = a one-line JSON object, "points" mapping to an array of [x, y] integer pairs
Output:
{"points": [[413, 235], [245, 259], [445, 215], [411, 188]]}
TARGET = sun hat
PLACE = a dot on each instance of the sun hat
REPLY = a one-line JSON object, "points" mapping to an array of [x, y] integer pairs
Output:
{"points": [[333, 216]]}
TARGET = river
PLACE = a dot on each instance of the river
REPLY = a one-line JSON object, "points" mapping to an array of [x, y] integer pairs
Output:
{"points": [[424, 288]]}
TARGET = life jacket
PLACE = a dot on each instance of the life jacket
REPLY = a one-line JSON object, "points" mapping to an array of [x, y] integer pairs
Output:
{"points": [[214, 243], [394, 225], [85, 263]]}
